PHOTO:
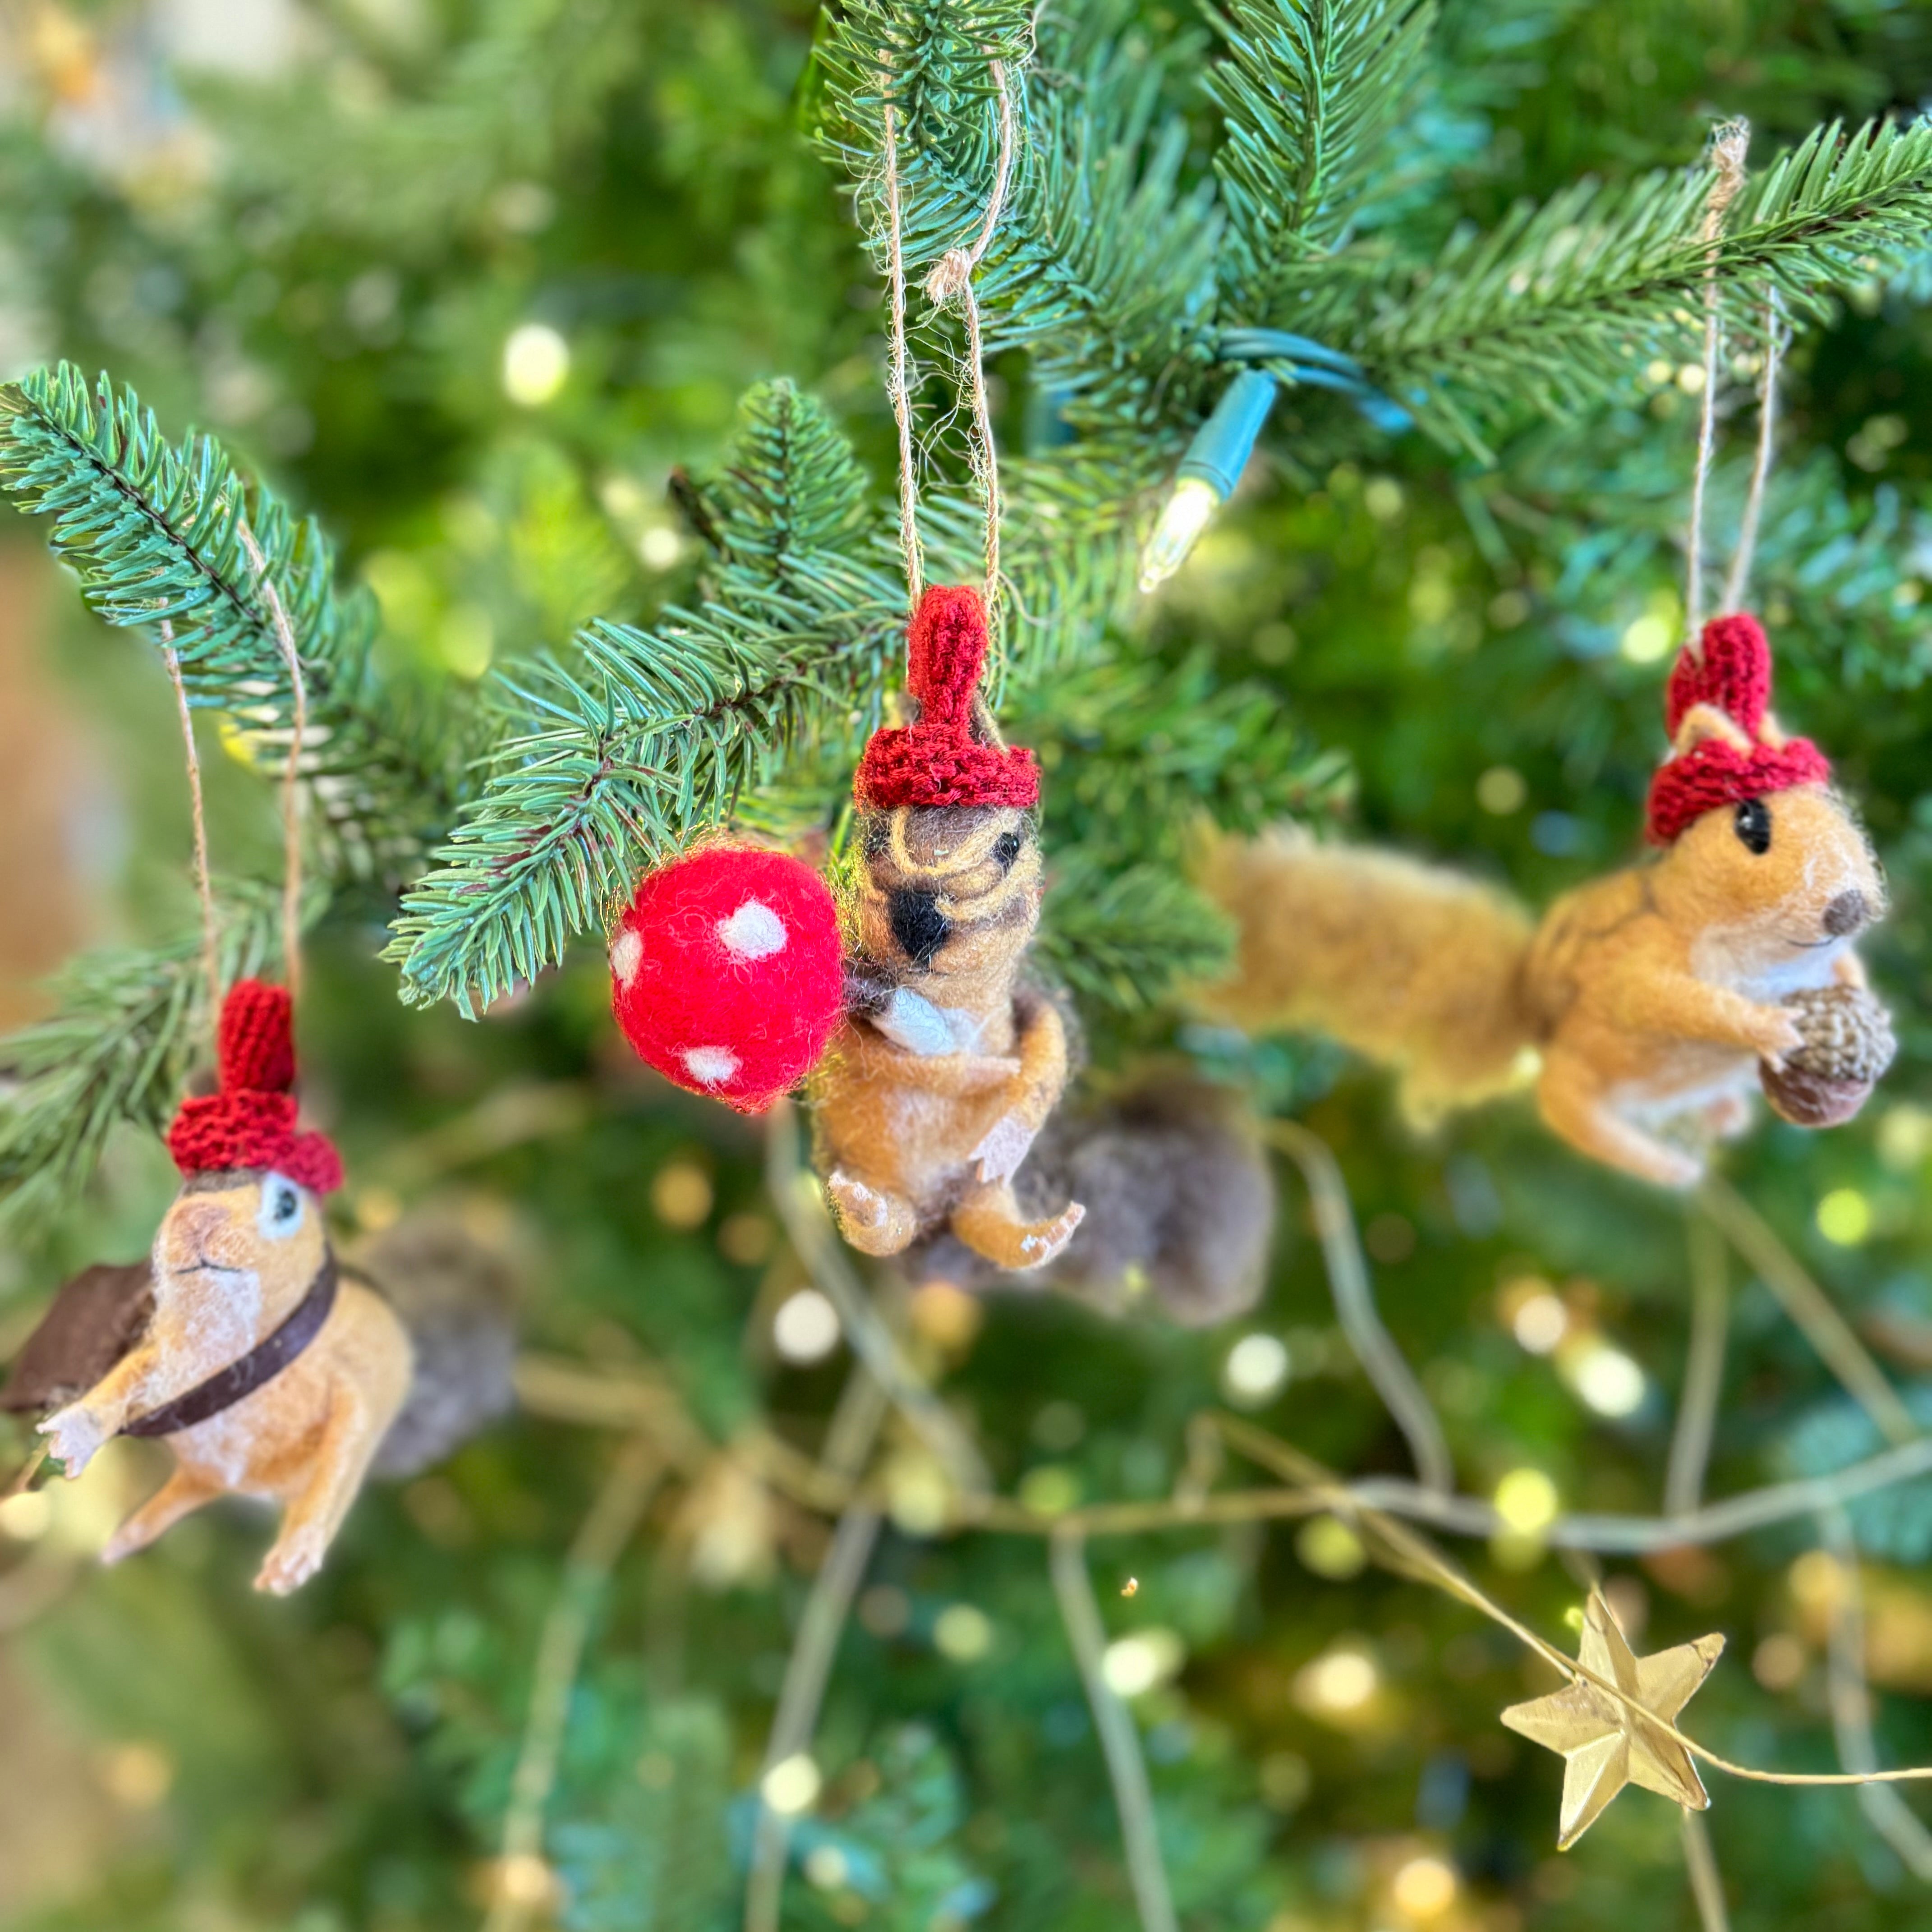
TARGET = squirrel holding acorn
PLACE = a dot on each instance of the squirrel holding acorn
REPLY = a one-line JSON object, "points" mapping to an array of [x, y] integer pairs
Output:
{"points": [[1649, 1001]]}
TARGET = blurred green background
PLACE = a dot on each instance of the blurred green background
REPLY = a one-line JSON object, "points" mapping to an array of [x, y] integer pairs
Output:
{"points": [[468, 278]]}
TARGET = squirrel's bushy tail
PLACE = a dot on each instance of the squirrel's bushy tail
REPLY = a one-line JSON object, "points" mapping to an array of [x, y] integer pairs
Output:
{"points": [[1179, 1196], [1420, 969], [455, 1297]]}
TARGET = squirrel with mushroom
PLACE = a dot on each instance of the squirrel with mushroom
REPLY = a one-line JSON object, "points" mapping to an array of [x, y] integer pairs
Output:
{"points": [[1652, 1000], [934, 1062]]}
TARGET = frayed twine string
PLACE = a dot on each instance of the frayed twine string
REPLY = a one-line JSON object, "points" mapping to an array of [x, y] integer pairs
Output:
{"points": [[291, 856], [210, 951], [896, 382], [1774, 339], [950, 281], [1729, 142]]}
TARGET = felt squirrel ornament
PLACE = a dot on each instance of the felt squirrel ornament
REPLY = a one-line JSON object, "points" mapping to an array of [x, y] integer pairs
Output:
{"points": [[948, 1064], [931, 1064], [267, 1370], [1654, 1000]]}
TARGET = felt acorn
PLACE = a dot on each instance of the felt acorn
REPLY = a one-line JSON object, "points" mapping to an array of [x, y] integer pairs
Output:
{"points": [[267, 1371], [1847, 1045], [726, 972], [948, 1063]]}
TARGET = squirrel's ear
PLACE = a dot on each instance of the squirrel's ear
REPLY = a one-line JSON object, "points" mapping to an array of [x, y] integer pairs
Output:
{"points": [[1703, 722], [983, 729]]}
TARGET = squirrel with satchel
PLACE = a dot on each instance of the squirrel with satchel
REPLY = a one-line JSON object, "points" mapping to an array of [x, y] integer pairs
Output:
{"points": [[1647, 1003]]}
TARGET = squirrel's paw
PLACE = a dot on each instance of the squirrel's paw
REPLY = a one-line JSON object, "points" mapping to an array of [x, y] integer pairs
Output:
{"points": [[73, 1434], [1007, 1143], [1774, 1033], [133, 1536], [873, 1221], [297, 1555], [1047, 1240], [1668, 1168], [1729, 1116]]}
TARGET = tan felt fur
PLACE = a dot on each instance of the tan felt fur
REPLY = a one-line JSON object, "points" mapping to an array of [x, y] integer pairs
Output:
{"points": [[1650, 995], [229, 1268], [926, 1105]]}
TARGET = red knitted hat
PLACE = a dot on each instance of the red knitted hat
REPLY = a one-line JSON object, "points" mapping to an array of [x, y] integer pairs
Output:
{"points": [[936, 760], [251, 1121], [1734, 676]]}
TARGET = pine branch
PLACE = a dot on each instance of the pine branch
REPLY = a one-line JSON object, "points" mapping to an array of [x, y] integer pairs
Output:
{"points": [[1310, 94], [647, 737], [1554, 309], [155, 532], [1140, 750], [1103, 265], [1137, 752], [533, 80], [1838, 571], [1127, 939], [128, 1026], [1104, 270], [1074, 526]]}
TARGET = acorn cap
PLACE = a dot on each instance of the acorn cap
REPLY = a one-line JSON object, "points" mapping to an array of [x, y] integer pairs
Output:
{"points": [[1847, 1045]]}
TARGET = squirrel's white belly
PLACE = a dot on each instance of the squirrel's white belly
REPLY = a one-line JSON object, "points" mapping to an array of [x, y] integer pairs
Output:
{"points": [[1701, 1074], [1763, 964]]}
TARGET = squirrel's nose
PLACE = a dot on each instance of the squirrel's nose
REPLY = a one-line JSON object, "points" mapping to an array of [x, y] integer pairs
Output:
{"points": [[192, 1227], [919, 925], [1846, 914]]}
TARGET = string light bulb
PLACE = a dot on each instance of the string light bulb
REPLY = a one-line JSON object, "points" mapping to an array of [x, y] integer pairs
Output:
{"points": [[1208, 473], [1223, 445]]}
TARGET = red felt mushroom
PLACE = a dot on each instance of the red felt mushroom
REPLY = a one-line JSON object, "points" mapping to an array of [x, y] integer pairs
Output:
{"points": [[726, 972]]}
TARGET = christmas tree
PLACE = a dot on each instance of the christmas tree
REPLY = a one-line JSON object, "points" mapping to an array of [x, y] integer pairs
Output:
{"points": [[1346, 362]]}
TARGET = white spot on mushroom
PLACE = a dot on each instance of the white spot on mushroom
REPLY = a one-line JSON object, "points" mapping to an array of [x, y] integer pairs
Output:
{"points": [[627, 950], [710, 1065], [754, 931]]}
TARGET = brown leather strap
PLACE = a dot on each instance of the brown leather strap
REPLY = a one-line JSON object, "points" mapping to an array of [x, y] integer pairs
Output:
{"points": [[265, 1361]]}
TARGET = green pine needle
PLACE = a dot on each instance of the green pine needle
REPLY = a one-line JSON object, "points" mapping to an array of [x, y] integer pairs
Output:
{"points": [[643, 739], [155, 532], [1309, 94], [127, 1025]]}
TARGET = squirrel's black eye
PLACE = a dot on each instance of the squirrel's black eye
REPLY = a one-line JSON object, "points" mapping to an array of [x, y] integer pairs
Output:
{"points": [[1008, 847], [1752, 823]]}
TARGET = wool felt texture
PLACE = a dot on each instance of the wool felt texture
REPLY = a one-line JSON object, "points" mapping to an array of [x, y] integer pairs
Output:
{"points": [[1648, 996], [938, 760], [1733, 678], [236, 1256], [936, 1085], [456, 1297], [249, 1121], [726, 973], [947, 1067], [1180, 1197], [247, 1373], [1848, 1044]]}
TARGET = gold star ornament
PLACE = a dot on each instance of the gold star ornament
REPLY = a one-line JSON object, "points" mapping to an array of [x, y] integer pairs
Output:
{"points": [[1606, 1744]]}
